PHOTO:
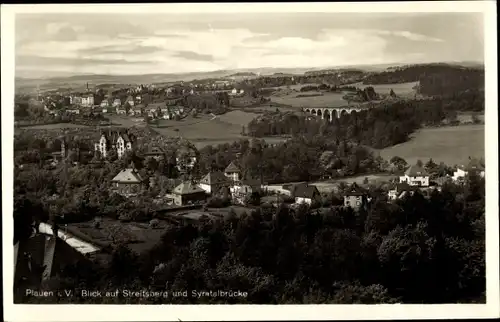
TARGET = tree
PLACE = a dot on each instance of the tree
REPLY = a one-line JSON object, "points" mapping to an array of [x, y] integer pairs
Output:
{"points": [[120, 234], [420, 163], [399, 163]]}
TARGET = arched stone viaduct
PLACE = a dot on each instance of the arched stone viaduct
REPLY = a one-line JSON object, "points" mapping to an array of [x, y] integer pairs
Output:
{"points": [[330, 112]]}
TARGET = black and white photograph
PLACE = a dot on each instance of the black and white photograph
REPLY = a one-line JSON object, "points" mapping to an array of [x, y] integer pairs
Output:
{"points": [[250, 154]]}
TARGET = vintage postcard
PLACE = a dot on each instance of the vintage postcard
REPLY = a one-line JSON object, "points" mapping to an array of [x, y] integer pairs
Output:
{"points": [[250, 161]]}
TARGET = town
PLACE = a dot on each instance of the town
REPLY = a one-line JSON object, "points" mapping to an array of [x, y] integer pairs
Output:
{"points": [[341, 185]]}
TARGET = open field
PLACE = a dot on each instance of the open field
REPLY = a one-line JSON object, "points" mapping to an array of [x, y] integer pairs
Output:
{"points": [[54, 126], [209, 130], [400, 89], [451, 145], [327, 99]]}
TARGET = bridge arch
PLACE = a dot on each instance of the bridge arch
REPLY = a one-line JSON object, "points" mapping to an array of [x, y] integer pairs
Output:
{"points": [[319, 112], [343, 112], [313, 111], [328, 115], [308, 110]]}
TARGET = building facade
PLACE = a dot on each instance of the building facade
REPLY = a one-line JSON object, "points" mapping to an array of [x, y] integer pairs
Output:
{"points": [[415, 176], [119, 141]]}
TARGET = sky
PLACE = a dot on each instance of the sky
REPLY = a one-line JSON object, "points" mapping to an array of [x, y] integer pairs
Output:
{"points": [[130, 44]]}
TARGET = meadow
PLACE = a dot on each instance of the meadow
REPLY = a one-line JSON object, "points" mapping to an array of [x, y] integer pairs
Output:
{"points": [[209, 130], [403, 89], [327, 99], [451, 145], [54, 126]]}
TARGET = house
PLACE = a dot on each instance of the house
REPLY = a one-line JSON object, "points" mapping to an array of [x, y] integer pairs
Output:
{"points": [[88, 100], [73, 111], [128, 182], [355, 197], [135, 111], [63, 152], [75, 100], [104, 110], [129, 101], [176, 110], [245, 187], [473, 166], [415, 176], [305, 194], [233, 172], [118, 141], [400, 190], [166, 114], [117, 102], [121, 111], [155, 152], [104, 103], [214, 181], [188, 193]]}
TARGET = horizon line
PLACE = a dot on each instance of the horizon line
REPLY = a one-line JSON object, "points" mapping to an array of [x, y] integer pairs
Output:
{"points": [[69, 74]]}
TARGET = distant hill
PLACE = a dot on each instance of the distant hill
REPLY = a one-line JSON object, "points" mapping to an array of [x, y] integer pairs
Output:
{"points": [[77, 82], [242, 74]]}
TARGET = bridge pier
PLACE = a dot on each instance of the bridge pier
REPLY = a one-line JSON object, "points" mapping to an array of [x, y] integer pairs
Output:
{"points": [[329, 113]]}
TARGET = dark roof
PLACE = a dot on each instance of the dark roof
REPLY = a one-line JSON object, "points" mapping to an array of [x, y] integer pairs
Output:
{"points": [[415, 171], [355, 190], [214, 178], [232, 167], [305, 191]]}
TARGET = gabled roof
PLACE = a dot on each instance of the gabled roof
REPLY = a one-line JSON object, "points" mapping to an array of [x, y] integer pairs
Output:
{"points": [[355, 190], [129, 175], [155, 150], [187, 188], [473, 165], [305, 191], [415, 171], [216, 177], [232, 168]]}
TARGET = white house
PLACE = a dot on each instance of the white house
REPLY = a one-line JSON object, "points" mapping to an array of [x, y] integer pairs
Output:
{"points": [[244, 188], [233, 172], [88, 100], [117, 102], [104, 103], [415, 176], [114, 140], [121, 111], [473, 166]]}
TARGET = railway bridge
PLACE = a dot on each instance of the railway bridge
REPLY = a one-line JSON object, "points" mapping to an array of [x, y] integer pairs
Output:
{"points": [[330, 112]]}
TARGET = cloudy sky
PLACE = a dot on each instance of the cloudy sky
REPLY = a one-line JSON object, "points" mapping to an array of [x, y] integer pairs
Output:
{"points": [[126, 44]]}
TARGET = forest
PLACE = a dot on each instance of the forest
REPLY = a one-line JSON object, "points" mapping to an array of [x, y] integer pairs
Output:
{"points": [[435, 79], [416, 250]]}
